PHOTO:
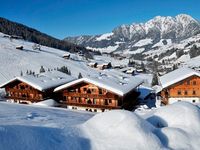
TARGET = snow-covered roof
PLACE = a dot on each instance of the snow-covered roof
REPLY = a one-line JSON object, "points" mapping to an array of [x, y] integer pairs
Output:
{"points": [[176, 76], [120, 86], [43, 81]]}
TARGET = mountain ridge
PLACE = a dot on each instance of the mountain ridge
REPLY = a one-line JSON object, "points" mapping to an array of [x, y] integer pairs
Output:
{"points": [[125, 37]]}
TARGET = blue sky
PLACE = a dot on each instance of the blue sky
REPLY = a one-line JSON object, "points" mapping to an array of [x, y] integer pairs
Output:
{"points": [[61, 18]]}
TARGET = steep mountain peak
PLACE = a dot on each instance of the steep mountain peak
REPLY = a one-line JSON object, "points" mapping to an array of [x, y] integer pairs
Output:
{"points": [[125, 37], [185, 19]]}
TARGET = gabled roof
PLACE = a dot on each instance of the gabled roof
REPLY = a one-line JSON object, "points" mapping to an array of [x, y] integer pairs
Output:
{"points": [[176, 76], [120, 88], [43, 81]]}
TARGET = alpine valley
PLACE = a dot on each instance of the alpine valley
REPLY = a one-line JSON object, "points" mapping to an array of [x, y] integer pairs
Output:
{"points": [[165, 39]]}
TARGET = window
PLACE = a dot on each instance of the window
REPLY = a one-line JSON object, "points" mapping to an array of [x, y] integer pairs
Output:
{"points": [[188, 82], [110, 100], [88, 91], [106, 102], [194, 83], [94, 101], [193, 101], [194, 92], [100, 91], [166, 93], [24, 95], [186, 93], [89, 101], [179, 92], [22, 87], [119, 102]]}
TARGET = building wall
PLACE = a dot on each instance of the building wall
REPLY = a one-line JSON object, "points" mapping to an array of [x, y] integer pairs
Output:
{"points": [[90, 96], [187, 90], [22, 92]]}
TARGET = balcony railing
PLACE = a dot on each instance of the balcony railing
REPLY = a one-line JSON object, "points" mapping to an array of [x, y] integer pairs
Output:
{"points": [[25, 98], [86, 95], [92, 105]]}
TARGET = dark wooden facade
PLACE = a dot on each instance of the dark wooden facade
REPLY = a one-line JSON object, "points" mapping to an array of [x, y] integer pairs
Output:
{"points": [[187, 88], [92, 98], [24, 93]]}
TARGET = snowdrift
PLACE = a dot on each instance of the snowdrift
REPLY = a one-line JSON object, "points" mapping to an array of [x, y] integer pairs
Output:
{"points": [[121, 129], [175, 126], [47, 103]]}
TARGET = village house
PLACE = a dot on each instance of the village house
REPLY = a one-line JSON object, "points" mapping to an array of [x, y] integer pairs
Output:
{"points": [[180, 85], [93, 64], [66, 56], [99, 94], [34, 88], [100, 65], [104, 65]]}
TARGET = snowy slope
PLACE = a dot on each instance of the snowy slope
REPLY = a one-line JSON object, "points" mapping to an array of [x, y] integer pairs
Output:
{"points": [[26, 127], [14, 61]]}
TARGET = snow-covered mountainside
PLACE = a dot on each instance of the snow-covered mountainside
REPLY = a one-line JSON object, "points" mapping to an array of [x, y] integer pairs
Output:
{"points": [[159, 31], [29, 128], [14, 61]]}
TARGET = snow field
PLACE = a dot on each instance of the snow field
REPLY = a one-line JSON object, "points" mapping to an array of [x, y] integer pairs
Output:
{"points": [[175, 126], [23, 127]]}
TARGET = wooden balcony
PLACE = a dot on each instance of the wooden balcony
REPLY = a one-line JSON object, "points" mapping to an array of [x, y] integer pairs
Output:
{"points": [[91, 105], [24, 91], [86, 95], [25, 98]]}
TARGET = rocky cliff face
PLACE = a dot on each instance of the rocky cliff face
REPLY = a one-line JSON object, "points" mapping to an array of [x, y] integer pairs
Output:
{"points": [[143, 35]]}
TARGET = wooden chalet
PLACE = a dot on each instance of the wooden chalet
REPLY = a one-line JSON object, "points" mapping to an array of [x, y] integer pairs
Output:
{"points": [[93, 64], [30, 89], [19, 47], [102, 66], [66, 56], [98, 95], [180, 85]]}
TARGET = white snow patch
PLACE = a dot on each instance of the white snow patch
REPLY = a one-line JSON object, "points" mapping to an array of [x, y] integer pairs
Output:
{"points": [[143, 42], [108, 49], [105, 36], [139, 50], [47, 103]]}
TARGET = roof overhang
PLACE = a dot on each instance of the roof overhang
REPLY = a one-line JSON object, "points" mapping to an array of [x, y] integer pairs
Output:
{"points": [[99, 84]]}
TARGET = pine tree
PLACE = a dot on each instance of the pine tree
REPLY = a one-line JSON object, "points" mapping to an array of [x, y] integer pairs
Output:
{"points": [[174, 67], [80, 75], [143, 67], [155, 79], [21, 74], [42, 69], [69, 72]]}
